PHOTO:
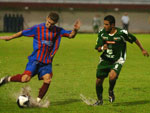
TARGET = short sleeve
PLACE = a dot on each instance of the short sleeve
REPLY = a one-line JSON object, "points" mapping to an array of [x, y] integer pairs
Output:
{"points": [[65, 33], [99, 41], [30, 32], [128, 36], [132, 38]]}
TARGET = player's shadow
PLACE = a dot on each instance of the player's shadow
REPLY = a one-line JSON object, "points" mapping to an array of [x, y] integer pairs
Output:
{"points": [[63, 102], [139, 102]]}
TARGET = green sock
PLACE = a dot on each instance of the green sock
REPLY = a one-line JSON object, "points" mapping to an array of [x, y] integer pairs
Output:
{"points": [[112, 84], [99, 91]]}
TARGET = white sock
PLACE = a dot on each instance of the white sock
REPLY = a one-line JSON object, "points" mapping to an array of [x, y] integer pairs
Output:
{"points": [[9, 79], [38, 99]]}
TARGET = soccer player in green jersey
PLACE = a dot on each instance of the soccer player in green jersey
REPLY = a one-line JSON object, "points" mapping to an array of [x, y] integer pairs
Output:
{"points": [[112, 42]]}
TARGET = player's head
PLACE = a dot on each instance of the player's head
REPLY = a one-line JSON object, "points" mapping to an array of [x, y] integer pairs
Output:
{"points": [[52, 19], [109, 22]]}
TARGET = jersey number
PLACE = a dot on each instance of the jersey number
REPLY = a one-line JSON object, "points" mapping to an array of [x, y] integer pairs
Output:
{"points": [[109, 51]]}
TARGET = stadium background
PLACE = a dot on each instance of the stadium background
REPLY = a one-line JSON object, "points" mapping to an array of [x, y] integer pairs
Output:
{"points": [[74, 65], [35, 11]]}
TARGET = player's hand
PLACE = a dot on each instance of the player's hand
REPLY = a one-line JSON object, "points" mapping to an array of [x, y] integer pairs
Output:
{"points": [[77, 25], [105, 47], [6, 38], [102, 48], [145, 53]]}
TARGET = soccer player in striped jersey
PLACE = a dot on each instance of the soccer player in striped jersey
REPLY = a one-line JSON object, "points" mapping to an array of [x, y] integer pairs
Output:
{"points": [[46, 41], [112, 43]]}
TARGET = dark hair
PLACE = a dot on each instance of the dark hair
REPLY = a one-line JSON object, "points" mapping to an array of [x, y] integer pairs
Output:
{"points": [[54, 16], [110, 18]]}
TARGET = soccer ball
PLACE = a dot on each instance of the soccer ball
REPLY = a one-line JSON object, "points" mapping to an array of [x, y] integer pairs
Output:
{"points": [[23, 101]]}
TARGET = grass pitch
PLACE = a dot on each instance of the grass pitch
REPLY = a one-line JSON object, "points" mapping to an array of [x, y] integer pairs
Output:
{"points": [[74, 73]]}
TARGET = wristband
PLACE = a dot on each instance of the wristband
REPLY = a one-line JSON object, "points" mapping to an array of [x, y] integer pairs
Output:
{"points": [[102, 48], [76, 30]]}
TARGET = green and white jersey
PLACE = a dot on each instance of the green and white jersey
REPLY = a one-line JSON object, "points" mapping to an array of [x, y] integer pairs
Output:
{"points": [[116, 44]]}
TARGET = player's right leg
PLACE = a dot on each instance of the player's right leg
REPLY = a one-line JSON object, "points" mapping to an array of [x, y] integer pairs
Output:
{"points": [[25, 77], [101, 74], [99, 91], [4, 80]]}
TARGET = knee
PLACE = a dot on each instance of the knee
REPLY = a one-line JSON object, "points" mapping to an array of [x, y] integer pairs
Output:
{"points": [[47, 79], [25, 78], [113, 76], [99, 81]]}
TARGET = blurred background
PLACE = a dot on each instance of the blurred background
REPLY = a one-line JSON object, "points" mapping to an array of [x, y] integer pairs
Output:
{"points": [[16, 15]]}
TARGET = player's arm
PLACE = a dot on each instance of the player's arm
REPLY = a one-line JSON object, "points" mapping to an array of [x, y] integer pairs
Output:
{"points": [[102, 48], [75, 30], [100, 45], [145, 53], [132, 38], [7, 38]]}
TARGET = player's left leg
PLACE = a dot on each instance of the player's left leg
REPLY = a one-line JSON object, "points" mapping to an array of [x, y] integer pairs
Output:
{"points": [[113, 75], [45, 74], [112, 82], [46, 82]]}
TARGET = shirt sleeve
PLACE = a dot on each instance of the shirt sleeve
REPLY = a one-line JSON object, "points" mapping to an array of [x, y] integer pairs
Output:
{"points": [[132, 38], [129, 37], [65, 33], [30, 32], [99, 41]]}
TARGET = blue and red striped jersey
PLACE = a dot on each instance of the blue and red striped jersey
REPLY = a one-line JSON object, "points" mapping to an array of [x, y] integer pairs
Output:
{"points": [[46, 41]]}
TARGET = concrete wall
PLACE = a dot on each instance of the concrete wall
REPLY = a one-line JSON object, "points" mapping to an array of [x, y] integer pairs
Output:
{"points": [[83, 1], [139, 21]]}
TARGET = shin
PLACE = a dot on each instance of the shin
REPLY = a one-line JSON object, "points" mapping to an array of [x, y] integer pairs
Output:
{"points": [[112, 80], [45, 86]]}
